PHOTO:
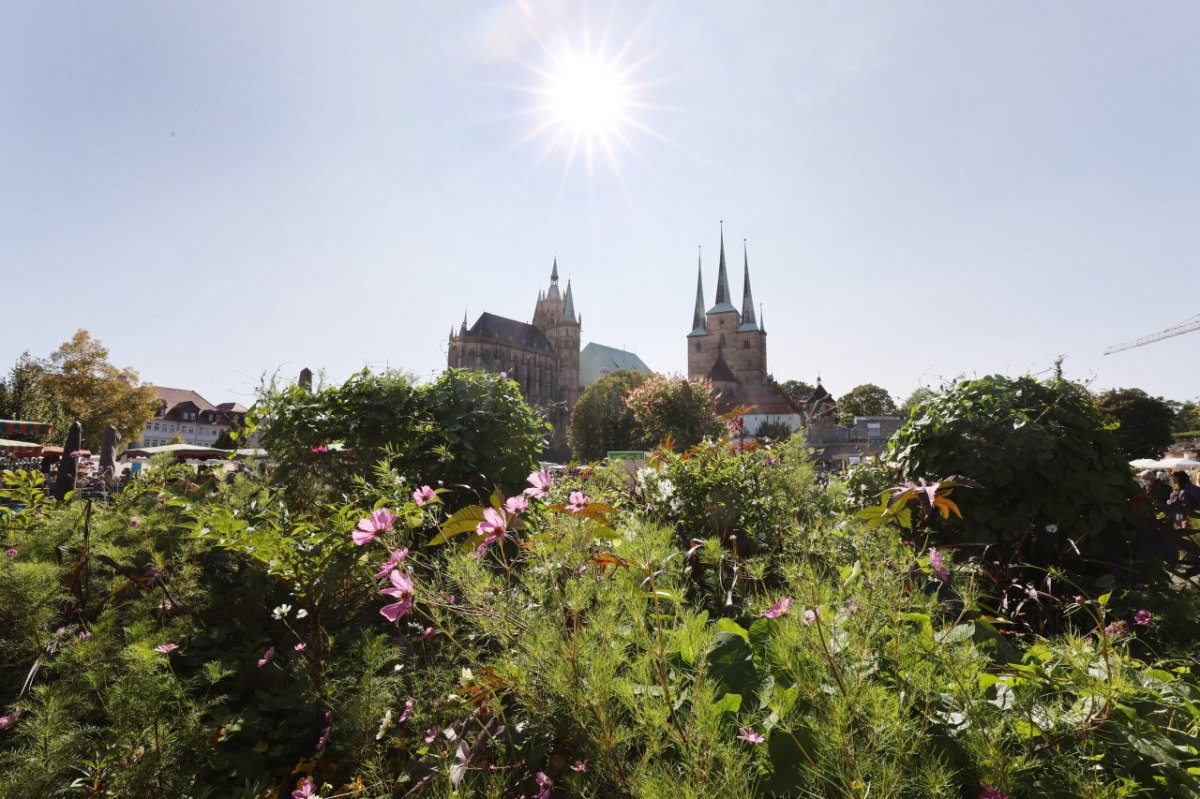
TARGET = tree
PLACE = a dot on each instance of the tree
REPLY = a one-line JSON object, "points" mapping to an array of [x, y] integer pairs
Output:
{"points": [[673, 408], [602, 421], [865, 400], [797, 391], [25, 395], [87, 388], [1187, 417], [915, 400], [1145, 422], [465, 428]]}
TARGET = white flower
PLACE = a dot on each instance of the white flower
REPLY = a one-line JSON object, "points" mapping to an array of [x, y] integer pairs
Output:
{"points": [[281, 611], [301, 613], [1051, 528]]}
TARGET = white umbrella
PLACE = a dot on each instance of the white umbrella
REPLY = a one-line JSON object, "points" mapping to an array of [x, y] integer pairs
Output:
{"points": [[1145, 463], [1178, 463]]}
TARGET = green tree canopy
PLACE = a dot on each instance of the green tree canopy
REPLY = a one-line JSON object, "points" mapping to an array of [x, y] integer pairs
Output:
{"points": [[797, 390], [919, 397], [465, 428], [25, 394], [865, 400], [602, 421], [1145, 422], [671, 408]]}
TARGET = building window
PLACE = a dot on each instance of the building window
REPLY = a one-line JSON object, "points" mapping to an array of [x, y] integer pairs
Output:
{"points": [[147, 425], [873, 430], [156, 425], [697, 346]]}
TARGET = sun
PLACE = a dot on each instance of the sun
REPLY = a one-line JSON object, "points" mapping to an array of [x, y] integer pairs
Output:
{"points": [[586, 97], [587, 107]]}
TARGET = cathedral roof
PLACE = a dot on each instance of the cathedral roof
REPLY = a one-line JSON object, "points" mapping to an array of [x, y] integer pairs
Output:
{"points": [[509, 331], [596, 360]]}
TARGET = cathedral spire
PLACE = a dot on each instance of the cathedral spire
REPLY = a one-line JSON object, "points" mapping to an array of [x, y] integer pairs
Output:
{"points": [[723, 304], [554, 272], [569, 304], [748, 321], [698, 316]]}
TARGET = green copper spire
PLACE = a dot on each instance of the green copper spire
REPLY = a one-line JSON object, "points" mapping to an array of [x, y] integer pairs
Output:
{"points": [[698, 328], [723, 304], [748, 321]]}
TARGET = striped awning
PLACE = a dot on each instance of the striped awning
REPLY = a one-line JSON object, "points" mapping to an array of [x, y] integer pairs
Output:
{"points": [[19, 449], [11, 426]]}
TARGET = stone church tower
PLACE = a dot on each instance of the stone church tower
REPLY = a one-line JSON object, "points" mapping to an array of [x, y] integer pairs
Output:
{"points": [[543, 357], [729, 349]]}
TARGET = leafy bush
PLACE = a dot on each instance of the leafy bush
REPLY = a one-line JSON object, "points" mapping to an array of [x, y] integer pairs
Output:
{"points": [[602, 421], [1056, 492]]}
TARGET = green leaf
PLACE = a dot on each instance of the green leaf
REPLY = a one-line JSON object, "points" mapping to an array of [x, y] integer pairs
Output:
{"points": [[464, 520], [725, 625], [729, 703], [731, 664]]}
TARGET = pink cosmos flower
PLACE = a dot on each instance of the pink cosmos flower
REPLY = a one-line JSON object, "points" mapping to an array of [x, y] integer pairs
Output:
{"points": [[324, 739], [431, 734], [306, 790], [1116, 628], [938, 563], [579, 767], [408, 706], [166, 649], [748, 735], [378, 522], [320, 448], [427, 633], [402, 590], [135, 521], [267, 657], [1142, 617], [577, 501], [543, 783], [515, 506], [300, 647], [11, 552], [493, 527], [398, 556], [780, 608], [10, 721], [540, 482], [810, 616], [84, 635], [991, 793], [424, 494]]}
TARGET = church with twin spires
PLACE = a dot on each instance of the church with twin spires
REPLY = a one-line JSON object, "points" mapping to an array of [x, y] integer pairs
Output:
{"points": [[729, 349]]}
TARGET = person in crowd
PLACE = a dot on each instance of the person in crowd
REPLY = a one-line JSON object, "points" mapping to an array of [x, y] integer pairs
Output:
{"points": [[1157, 489], [1184, 501]]}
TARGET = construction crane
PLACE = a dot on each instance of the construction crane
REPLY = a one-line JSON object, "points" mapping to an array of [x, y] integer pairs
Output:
{"points": [[1178, 330]]}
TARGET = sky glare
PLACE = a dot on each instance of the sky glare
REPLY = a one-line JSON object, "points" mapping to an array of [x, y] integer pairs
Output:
{"points": [[925, 190]]}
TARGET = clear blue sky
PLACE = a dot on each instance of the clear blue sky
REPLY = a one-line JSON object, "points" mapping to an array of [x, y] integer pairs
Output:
{"points": [[929, 189]]}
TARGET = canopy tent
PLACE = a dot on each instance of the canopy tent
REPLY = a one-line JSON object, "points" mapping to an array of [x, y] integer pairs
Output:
{"points": [[186, 451], [20, 428], [1169, 464], [19, 449]]}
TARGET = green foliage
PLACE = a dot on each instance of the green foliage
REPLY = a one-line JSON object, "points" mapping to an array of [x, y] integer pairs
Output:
{"points": [[673, 409], [865, 400], [713, 626], [25, 394], [916, 399], [775, 431], [1143, 423], [797, 391], [601, 421], [464, 428], [1056, 491]]}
